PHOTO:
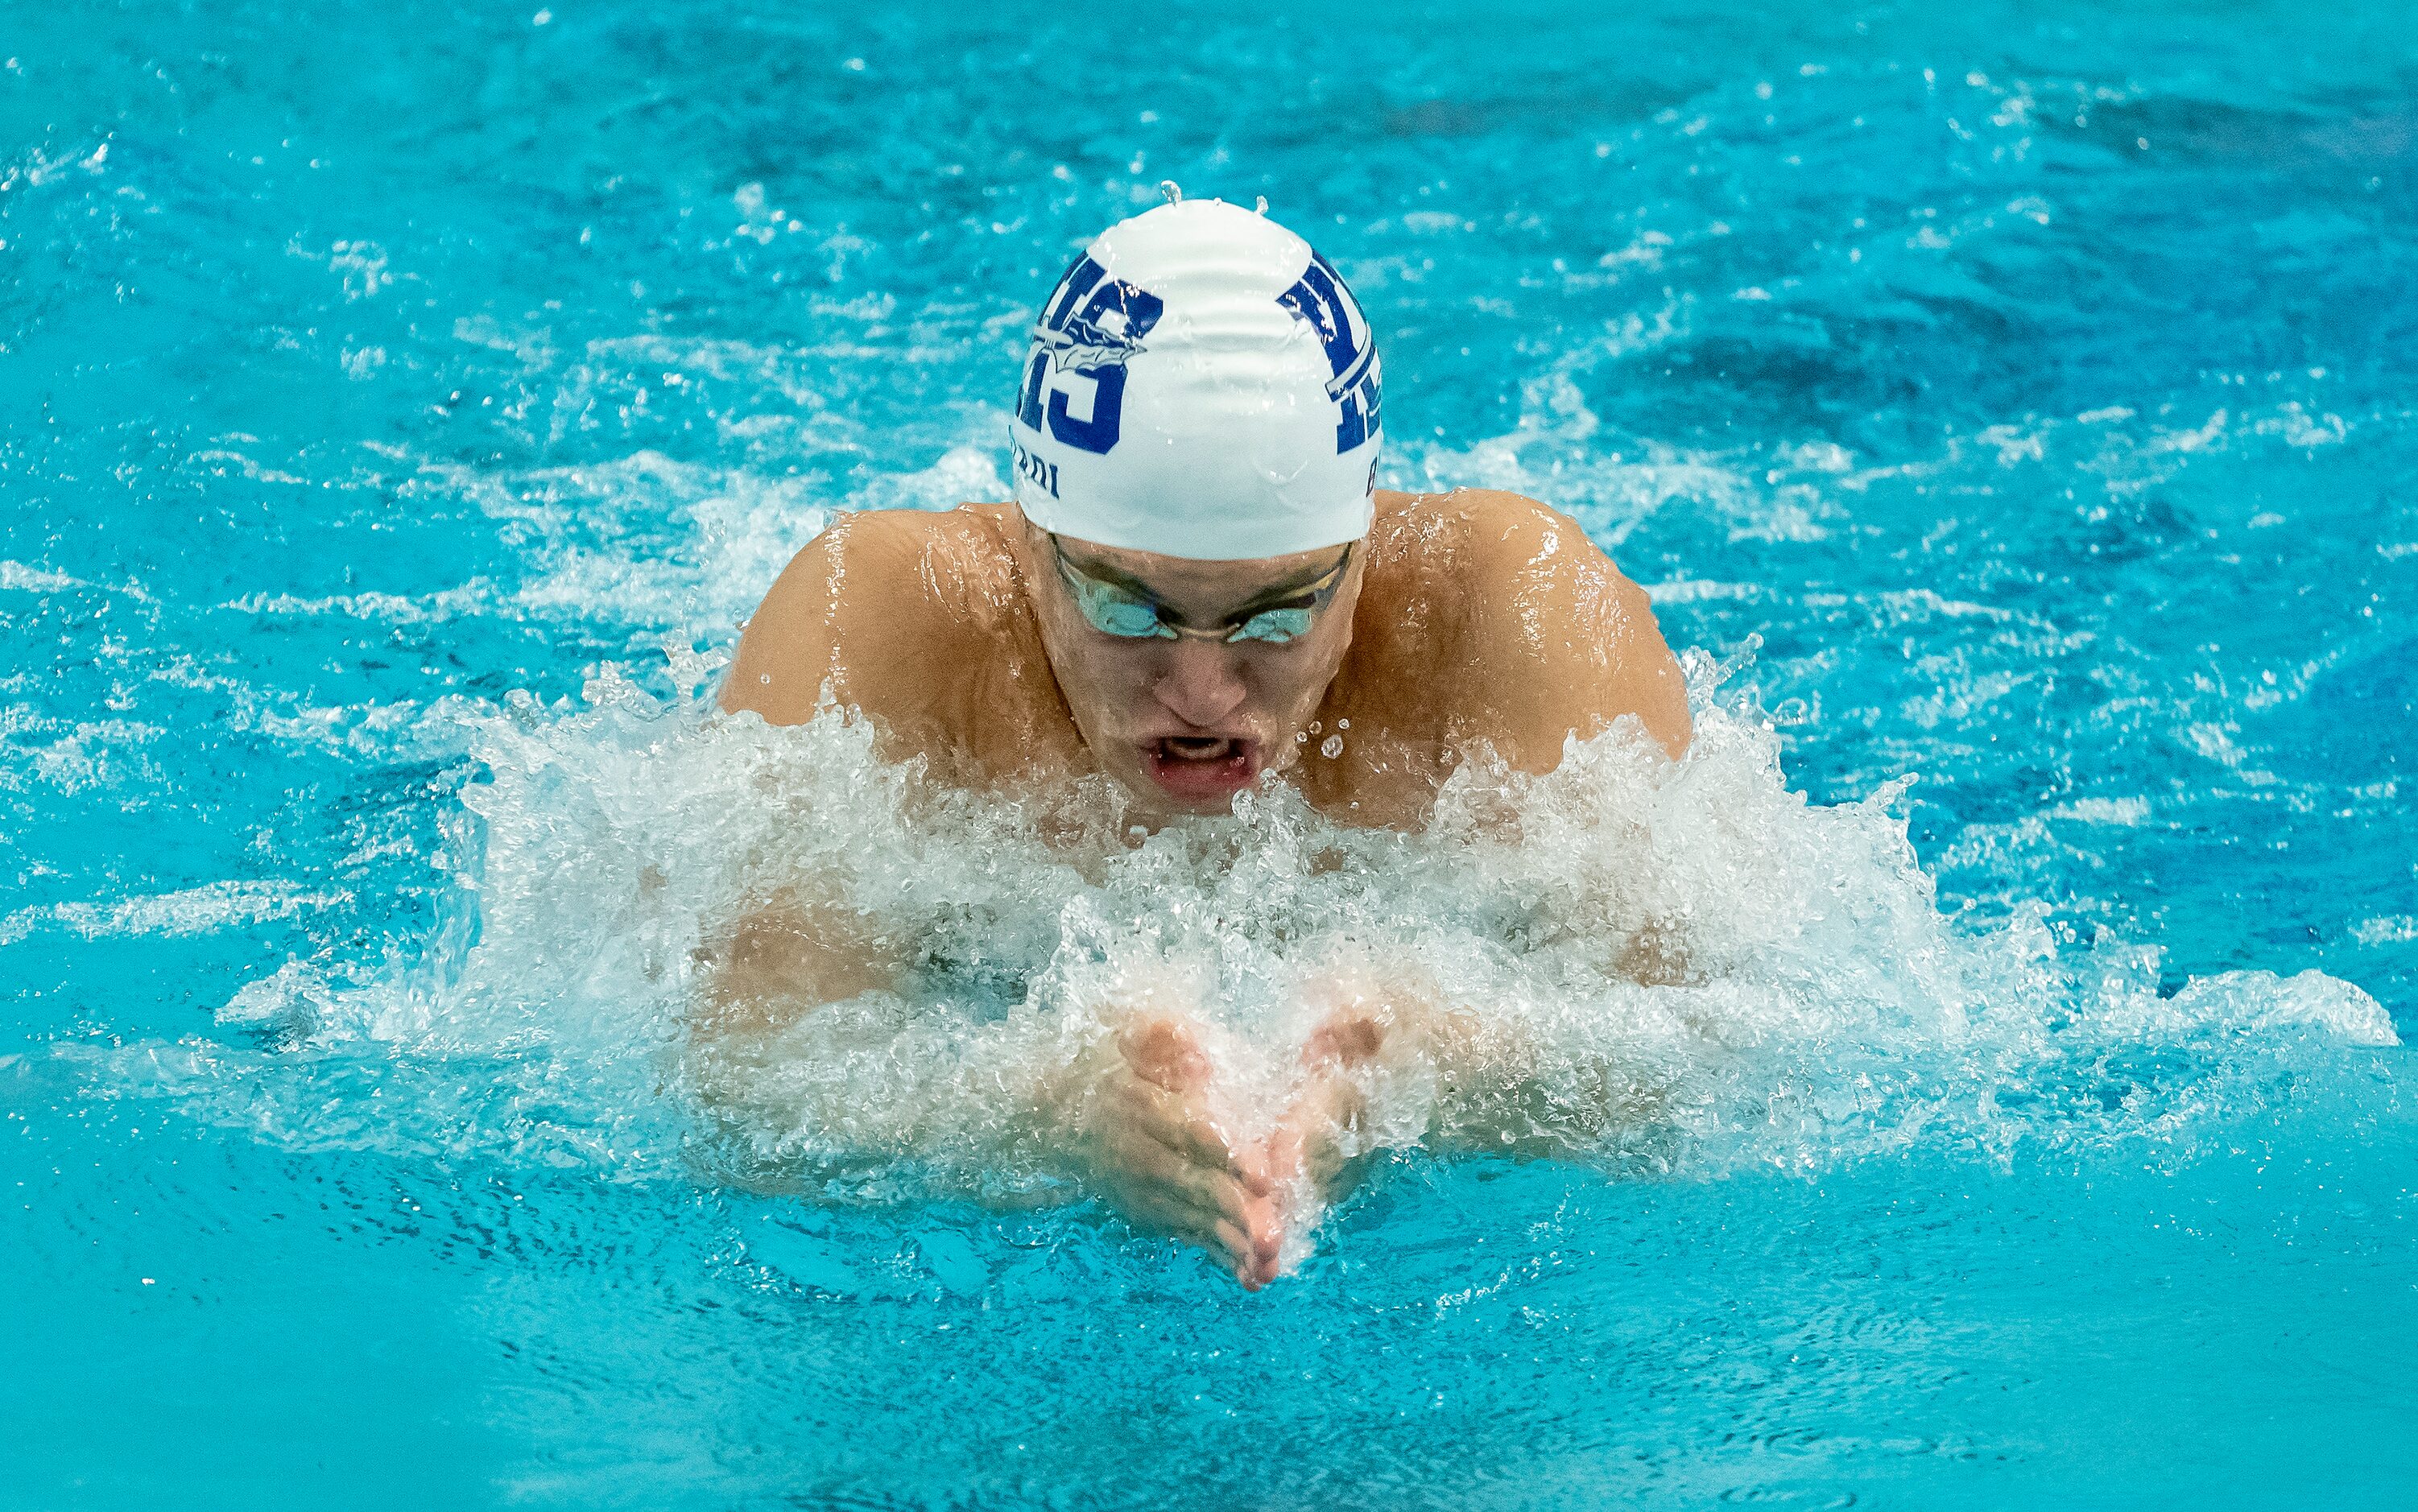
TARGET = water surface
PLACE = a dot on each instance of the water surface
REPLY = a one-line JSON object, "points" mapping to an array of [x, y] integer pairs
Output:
{"points": [[401, 407]]}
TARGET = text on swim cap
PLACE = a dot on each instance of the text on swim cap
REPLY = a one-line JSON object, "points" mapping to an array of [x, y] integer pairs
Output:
{"points": [[1094, 323], [1320, 299], [1092, 342], [1043, 474]]}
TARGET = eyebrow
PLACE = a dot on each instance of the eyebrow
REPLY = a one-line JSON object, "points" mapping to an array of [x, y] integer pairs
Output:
{"points": [[1266, 598], [1292, 588]]}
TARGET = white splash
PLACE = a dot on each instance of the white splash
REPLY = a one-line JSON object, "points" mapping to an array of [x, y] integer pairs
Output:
{"points": [[1701, 969], [193, 911]]}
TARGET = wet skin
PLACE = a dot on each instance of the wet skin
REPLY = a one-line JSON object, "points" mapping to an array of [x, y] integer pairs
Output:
{"points": [[1464, 621]]}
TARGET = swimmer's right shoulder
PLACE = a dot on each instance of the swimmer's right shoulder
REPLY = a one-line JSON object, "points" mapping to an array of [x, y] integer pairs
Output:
{"points": [[877, 590]]}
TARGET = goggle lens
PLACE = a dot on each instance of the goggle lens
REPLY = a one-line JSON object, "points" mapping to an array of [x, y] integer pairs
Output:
{"points": [[1274, 626], [1112, 611], [1115, 611]]}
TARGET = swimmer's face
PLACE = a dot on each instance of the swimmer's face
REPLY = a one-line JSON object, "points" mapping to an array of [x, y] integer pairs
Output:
{"points": [[1186, 723]]}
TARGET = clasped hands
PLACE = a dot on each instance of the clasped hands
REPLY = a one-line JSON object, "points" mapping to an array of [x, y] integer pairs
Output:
{"points": [[1161, 1155]]}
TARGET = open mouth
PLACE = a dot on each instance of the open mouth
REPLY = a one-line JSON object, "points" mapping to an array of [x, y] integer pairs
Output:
{"points": [[1201, 768]]}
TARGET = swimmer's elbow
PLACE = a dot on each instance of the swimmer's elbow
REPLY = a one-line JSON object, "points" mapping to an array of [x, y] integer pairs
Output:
{"points": [[848, 619], [1681, 734], [1643, 690], [760, 685], [773, 967], [773, 695]]}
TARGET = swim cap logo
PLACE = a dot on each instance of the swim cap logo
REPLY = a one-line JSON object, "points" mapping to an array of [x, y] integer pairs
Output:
{"points": [[1320, 298], [1083, 344], [1088, 330]]}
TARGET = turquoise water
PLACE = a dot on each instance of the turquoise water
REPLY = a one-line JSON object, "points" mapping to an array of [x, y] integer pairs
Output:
{"points": [[400, 407]]}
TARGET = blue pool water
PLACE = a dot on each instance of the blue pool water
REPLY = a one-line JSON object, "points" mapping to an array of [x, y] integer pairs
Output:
{"points": [[401, 406]]}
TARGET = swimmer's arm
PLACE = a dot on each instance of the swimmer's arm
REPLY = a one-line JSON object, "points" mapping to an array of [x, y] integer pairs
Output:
{"points": [[777, 962], [1497, 1092], [1498, 1095], [1560, 642]]}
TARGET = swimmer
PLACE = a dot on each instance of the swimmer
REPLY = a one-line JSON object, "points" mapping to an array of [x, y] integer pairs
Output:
{"points": [[1197, 588]]}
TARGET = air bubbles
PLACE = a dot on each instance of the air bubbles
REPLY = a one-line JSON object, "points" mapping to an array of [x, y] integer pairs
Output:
{"points": [[1331, 747]]}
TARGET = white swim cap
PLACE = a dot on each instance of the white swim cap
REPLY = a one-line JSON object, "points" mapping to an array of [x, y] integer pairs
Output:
{"points": [[1200, 384]]}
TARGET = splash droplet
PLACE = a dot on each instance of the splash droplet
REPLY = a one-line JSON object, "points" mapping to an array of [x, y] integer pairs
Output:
{"points": [[1331, 747]]}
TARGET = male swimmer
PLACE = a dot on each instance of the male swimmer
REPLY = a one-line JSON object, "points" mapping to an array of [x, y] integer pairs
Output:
{"points": [[1197, 588]]}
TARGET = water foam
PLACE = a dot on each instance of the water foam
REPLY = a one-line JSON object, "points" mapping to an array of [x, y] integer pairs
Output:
{"points": [[1681, 967], [192, 910]]}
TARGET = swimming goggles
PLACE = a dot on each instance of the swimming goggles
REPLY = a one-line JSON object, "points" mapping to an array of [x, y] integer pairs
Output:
{"points": [[1127, 610]]}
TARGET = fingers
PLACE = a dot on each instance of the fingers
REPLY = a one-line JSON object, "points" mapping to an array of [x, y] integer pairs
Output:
{"points": [[1311, 1141], [1148, 1211], [1169, 1070], [1197, 1141], [1204, 1202], [1321, 1151], [1211, 1191], [1252, 1260], [1181, 1126], [1269, 1265], [1206, 1208], [1178, 1125], [1170, 1167]]}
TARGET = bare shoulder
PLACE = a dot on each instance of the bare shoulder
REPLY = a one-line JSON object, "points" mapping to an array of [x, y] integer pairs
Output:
{"points": [[1540, 635], [1487, 537], [869, 606]]}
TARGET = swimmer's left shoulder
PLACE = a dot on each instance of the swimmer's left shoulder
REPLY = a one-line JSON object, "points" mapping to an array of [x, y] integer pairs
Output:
{"points": [[1490, 538], [1553, 637]]}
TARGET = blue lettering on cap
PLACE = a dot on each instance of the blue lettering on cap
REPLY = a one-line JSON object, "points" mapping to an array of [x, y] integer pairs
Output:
{"points": [[1092, 325], [1320, 299]]}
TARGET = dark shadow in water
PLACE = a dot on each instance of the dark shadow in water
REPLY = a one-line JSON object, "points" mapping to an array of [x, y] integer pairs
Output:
{"points": [[2284, 140]]}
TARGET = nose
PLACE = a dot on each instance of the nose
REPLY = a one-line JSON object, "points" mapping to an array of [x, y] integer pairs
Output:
{"points": [[1200, 683]]}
